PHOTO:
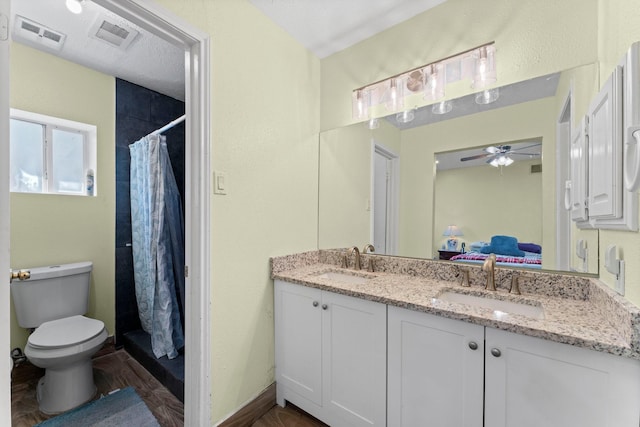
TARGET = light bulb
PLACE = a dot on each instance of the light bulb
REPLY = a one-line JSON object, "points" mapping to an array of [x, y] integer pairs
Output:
{"points": [[361, 104], [485, 68], [442, 107], [487, 96], [434, 82], [395, 99], [74, 6], [405, 116]]}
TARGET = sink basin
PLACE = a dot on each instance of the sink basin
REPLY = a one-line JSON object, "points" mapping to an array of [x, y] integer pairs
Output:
{"points": [[342, 277], [500, 307]]}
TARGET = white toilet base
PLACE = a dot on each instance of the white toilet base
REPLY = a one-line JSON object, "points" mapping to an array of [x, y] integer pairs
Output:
{"points": [[63, 389]]}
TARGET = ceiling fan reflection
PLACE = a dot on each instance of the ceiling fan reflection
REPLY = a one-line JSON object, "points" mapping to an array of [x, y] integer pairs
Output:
{"points": [[500, 155]]}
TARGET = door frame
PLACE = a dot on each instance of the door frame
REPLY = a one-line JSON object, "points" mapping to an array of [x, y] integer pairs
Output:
{"points": [[564, 126], [159, 21], [5, 212], [392, 196]]}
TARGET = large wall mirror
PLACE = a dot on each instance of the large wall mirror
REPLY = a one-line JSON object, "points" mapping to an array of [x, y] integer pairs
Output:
{"points": [[487, 169]]}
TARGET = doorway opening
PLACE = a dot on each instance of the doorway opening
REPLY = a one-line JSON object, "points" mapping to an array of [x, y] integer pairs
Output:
{"points": [[384, 189]]}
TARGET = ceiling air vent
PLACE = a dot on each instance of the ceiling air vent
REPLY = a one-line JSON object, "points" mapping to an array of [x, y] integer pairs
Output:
{"points": [[37, 35], [536, 168], [117, 35]]}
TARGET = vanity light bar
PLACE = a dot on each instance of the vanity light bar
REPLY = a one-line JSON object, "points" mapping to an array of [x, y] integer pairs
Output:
{"points": [[430, 78]]}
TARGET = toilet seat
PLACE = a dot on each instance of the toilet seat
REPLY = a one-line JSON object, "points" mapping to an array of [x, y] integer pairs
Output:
{"points": [[65, 332]]}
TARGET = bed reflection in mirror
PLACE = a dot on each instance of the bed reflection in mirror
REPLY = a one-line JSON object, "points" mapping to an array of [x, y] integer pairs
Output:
{"points": [[494, 196]]}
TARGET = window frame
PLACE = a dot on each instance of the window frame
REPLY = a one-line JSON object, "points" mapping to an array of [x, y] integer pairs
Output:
{"points": [[49, 124]]}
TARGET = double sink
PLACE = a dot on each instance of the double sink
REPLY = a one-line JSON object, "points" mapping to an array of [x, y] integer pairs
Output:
{"points": [[501, 304]]}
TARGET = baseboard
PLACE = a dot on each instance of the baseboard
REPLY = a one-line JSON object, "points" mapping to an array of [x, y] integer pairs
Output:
{"points": [[253, 410]]}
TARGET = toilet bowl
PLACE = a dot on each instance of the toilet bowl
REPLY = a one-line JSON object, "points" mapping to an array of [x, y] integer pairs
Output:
{"points": [[64, 348], [53, 300]]}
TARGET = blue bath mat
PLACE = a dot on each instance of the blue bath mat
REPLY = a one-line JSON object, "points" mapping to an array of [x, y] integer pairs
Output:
{"points": [[122, 408]]}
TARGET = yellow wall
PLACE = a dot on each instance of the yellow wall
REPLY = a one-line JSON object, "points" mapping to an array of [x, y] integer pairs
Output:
{"points": [[618, 29], [345, 182], [484, 201], [55, 229], [265, 123], [532, 38]]}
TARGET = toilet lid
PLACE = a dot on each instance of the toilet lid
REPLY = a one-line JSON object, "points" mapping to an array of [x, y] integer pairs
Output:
{"points": [[65, 332]]}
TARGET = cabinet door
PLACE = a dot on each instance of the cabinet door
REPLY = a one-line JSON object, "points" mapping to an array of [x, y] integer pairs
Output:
{"points": [[533, 382], [354, 360], [435, 375], [578, 156], [298, 329], [605, 150]]}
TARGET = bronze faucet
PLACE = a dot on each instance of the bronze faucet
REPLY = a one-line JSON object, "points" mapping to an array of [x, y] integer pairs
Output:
{"points": [[368, 248], [356, 264], [489, 266]]}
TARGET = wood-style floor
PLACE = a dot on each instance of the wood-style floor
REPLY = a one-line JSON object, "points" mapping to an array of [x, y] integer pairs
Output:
{"points": [[110, 371], [116, 369]]}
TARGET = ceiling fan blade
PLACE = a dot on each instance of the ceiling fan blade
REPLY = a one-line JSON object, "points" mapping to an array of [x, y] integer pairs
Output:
{"points": [[479, 156], [524, 154], [524, 148]]}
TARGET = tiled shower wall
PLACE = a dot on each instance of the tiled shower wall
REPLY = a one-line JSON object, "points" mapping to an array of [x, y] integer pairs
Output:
{"points": [[139, 111]]}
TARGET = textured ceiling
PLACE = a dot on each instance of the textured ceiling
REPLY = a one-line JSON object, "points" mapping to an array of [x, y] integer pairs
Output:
{"points": [[323, 27], [149, 61], [328, 26]]}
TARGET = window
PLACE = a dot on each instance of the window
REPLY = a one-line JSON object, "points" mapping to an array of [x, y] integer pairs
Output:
{"points": [[51, 155]]}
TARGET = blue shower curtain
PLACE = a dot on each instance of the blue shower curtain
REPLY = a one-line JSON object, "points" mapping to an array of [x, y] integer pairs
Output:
{"points": [[157, 226]]}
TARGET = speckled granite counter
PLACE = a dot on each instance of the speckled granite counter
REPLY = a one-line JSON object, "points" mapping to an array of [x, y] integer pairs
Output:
{"points": [[578, 310]]}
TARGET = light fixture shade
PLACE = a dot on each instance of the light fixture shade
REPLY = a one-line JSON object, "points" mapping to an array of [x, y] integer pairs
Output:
{"points": [[74, 6], [452, 230], [502, 160], [485, 67], [434, 80], [442, 107], [373, 123], [487, 96], [395, 95], [405, 116], [361, 104]]}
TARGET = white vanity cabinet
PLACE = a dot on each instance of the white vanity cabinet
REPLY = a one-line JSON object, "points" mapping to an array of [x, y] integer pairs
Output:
{"points": [[435, 371], [531, 382], [331, 355], [445, 372]]}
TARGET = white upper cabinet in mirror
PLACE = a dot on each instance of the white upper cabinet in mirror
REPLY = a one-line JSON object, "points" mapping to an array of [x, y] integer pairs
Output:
{"points": [[413, 218], [601, 175]]}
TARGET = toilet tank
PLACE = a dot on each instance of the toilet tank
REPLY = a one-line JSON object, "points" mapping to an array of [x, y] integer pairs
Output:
{"points": [[51, 293]]}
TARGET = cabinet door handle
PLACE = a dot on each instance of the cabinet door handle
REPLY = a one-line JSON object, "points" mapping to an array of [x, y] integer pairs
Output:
{"points": [[473, 345], [325, 306], [315, 303], [495, 352]]}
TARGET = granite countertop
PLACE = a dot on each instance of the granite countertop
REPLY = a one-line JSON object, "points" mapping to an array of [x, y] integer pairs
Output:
{"points": [[576, 318]]}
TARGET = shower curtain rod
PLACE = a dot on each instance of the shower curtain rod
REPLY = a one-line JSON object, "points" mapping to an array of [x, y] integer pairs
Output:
{"points": [[169, 125]]}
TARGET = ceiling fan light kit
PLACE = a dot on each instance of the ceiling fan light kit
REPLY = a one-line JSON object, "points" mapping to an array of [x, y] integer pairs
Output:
{"points": [[502, 155]]}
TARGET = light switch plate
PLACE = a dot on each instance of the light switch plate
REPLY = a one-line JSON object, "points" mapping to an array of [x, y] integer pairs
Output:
{"points": [[219, 183]]}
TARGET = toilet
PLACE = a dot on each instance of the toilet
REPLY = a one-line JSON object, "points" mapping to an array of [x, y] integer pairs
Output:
{"points": [[53, 300]]}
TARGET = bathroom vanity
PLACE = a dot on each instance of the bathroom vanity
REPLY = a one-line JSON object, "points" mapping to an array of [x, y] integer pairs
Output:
{"points": [[408, 345]]}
